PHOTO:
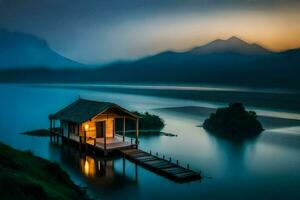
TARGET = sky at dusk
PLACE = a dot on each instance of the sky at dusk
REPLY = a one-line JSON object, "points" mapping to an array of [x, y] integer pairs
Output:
{"points": [[97, 31]]}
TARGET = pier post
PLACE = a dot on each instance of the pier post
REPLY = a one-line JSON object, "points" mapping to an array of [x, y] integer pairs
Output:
{"points": [[50, 119], [84, 140], [94, 145], [124, 128], [69, 136], [105, 153], [54, 131], [61, 135], [137, 133], [57, 133], [114, 128], [80, 143]]}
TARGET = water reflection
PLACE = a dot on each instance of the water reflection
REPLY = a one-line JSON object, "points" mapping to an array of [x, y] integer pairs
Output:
{"points": [[101, 172], [88, 166]]}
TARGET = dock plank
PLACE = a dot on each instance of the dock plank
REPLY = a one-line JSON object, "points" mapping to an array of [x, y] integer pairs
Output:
{"points": [[176, 170], [145, 159], [161, 166], [139, 155]]}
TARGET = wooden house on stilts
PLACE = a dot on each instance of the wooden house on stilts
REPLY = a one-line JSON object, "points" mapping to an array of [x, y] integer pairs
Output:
{"points": [[93, 123]]}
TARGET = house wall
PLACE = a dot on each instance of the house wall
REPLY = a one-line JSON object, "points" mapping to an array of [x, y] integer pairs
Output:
{"points": [[109, 127], [70, 127], [109, 118], [91, 130], [65, 127]]}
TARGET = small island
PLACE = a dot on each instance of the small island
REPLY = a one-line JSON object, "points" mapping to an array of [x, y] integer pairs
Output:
{"points": [[149, 124], [37, 132], [25, 176], [150, 121], [233, 121]]}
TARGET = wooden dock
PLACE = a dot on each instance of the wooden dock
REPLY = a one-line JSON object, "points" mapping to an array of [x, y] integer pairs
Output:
{"points": [[90, 126], [161, 166], [151, 162]]}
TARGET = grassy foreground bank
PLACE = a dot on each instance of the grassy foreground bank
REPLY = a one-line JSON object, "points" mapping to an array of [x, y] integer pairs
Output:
{"points": [[25, 176]]}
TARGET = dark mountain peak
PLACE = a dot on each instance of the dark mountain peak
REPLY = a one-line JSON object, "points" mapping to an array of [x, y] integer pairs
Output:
{"points": [[18, 49], [11, 40], [231, 45], [236, 39]]}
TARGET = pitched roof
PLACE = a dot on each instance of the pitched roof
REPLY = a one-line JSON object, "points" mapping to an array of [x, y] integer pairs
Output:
{"points": [[83, 110]]}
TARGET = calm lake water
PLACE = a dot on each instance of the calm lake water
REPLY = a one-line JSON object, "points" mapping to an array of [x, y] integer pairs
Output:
{"points": [[267, 167]]}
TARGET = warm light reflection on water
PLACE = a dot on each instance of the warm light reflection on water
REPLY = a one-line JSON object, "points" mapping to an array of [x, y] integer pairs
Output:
{"points": [[98, 171], [88, 166]]}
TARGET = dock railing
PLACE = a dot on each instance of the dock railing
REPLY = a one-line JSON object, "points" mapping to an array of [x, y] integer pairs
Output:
{"points": [[131, 140], [171, 160]]}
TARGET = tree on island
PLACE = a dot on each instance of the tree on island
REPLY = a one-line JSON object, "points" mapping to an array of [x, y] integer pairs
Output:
{"points": [[233, 121], [147, 121], [150, 121]]}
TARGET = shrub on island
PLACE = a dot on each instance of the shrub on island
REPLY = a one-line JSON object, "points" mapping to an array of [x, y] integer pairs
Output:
{"points": [[147, 122], [150, 121], [233, 121]]}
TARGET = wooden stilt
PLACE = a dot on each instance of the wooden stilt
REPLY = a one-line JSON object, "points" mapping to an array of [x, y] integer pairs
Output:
{"points": [[105, 153], [114, 127], [124, 128], [61, 135], [50, 119], [84, 139], [54, 132], [137, 133], [94, 145], [80, 143]]}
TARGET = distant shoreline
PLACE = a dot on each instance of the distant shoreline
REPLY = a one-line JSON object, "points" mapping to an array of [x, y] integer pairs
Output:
{"points": [[268, 99]]}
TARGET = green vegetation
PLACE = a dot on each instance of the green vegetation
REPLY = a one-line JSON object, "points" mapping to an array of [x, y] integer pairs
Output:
{"points": [[233, 121], [25, 176], [149, 124], [150, 121]]}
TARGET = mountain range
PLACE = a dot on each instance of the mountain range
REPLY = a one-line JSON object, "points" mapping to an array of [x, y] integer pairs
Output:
{"points": [[25, 50], [226, 62], [232, 45]]}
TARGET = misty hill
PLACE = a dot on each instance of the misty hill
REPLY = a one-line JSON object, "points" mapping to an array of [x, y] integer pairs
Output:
{"points": [[225, 62], [232, 45], [22, 50], [230, 62]]}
